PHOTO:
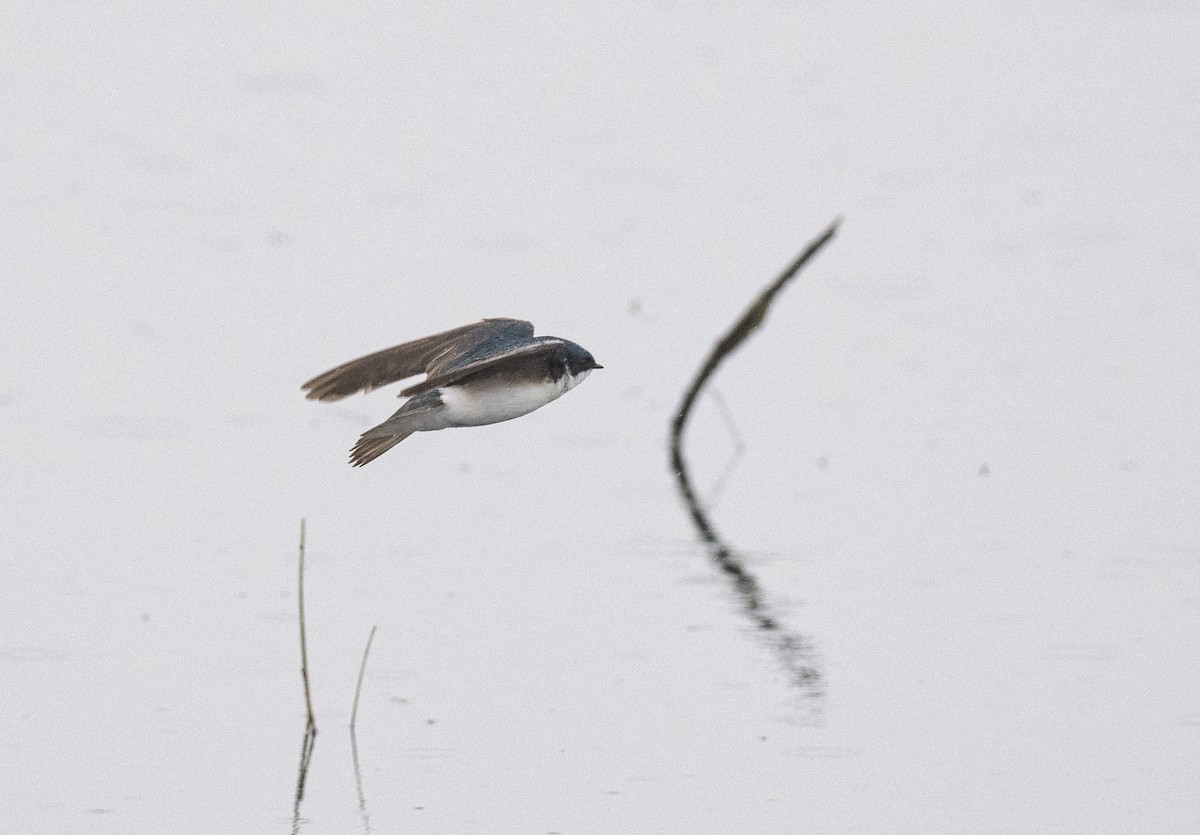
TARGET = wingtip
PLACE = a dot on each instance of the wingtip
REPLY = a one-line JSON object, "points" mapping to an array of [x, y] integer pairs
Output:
{"points": [[324, 394]]}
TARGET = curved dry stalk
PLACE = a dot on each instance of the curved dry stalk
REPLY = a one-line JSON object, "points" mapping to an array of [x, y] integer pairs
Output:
{"points": [[362, 670], [793, 649]]}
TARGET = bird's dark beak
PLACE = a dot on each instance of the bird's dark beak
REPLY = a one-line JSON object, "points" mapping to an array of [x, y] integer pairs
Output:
{"points": [[597, 365]]}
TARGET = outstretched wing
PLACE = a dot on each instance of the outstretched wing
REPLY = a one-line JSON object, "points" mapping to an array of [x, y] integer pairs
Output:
{"points": [[451, 369], [416, 357]]}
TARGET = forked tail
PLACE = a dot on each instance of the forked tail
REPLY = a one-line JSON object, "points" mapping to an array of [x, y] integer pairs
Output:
{"points": [[371, 447]]}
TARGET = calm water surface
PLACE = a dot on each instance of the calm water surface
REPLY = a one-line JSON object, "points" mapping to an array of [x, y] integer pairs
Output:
{"points": [[966, 477]]}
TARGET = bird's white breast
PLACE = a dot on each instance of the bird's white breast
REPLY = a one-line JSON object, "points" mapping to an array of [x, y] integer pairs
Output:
{"points": [[476, 405]]}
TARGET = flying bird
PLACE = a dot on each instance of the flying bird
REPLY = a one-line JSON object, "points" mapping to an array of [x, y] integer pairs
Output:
{"points": [[483, 373]]}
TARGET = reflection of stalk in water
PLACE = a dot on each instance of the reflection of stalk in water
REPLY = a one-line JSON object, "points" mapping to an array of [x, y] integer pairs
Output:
{"points": [[362, 798], [793, 649], [306, 749]]}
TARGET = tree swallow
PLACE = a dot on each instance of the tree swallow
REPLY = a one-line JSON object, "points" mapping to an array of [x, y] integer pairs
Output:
{"points": [[488, 372]]}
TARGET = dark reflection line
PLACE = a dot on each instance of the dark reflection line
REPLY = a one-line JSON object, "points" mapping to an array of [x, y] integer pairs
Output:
{"points": [[306, 749], [795, 652], [362, 798]]}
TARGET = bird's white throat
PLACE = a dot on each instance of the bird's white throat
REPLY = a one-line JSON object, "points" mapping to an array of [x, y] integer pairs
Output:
{"points": [[573, 380]]}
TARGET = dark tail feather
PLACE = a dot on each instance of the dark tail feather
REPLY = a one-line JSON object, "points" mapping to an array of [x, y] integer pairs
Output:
{"points": [[369, 448]]}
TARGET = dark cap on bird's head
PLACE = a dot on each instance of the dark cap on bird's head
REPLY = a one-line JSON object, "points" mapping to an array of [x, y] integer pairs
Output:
{"points": [[577, 358]]}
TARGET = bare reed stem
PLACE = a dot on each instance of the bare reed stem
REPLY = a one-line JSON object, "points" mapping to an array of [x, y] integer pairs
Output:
{"points": [[312, 722], [362, 671]]}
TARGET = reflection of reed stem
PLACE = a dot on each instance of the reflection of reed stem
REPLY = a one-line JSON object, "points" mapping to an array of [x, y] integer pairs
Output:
{"points": [[793, 649], [306, 749], [362, 670], [362, 798]]}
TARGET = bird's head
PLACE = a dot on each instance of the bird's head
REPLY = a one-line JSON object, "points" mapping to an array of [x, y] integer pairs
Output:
{"points": [[578, 360]]}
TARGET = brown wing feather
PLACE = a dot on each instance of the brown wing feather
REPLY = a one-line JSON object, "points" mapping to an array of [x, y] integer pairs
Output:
{"points": [[407, 360]]}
